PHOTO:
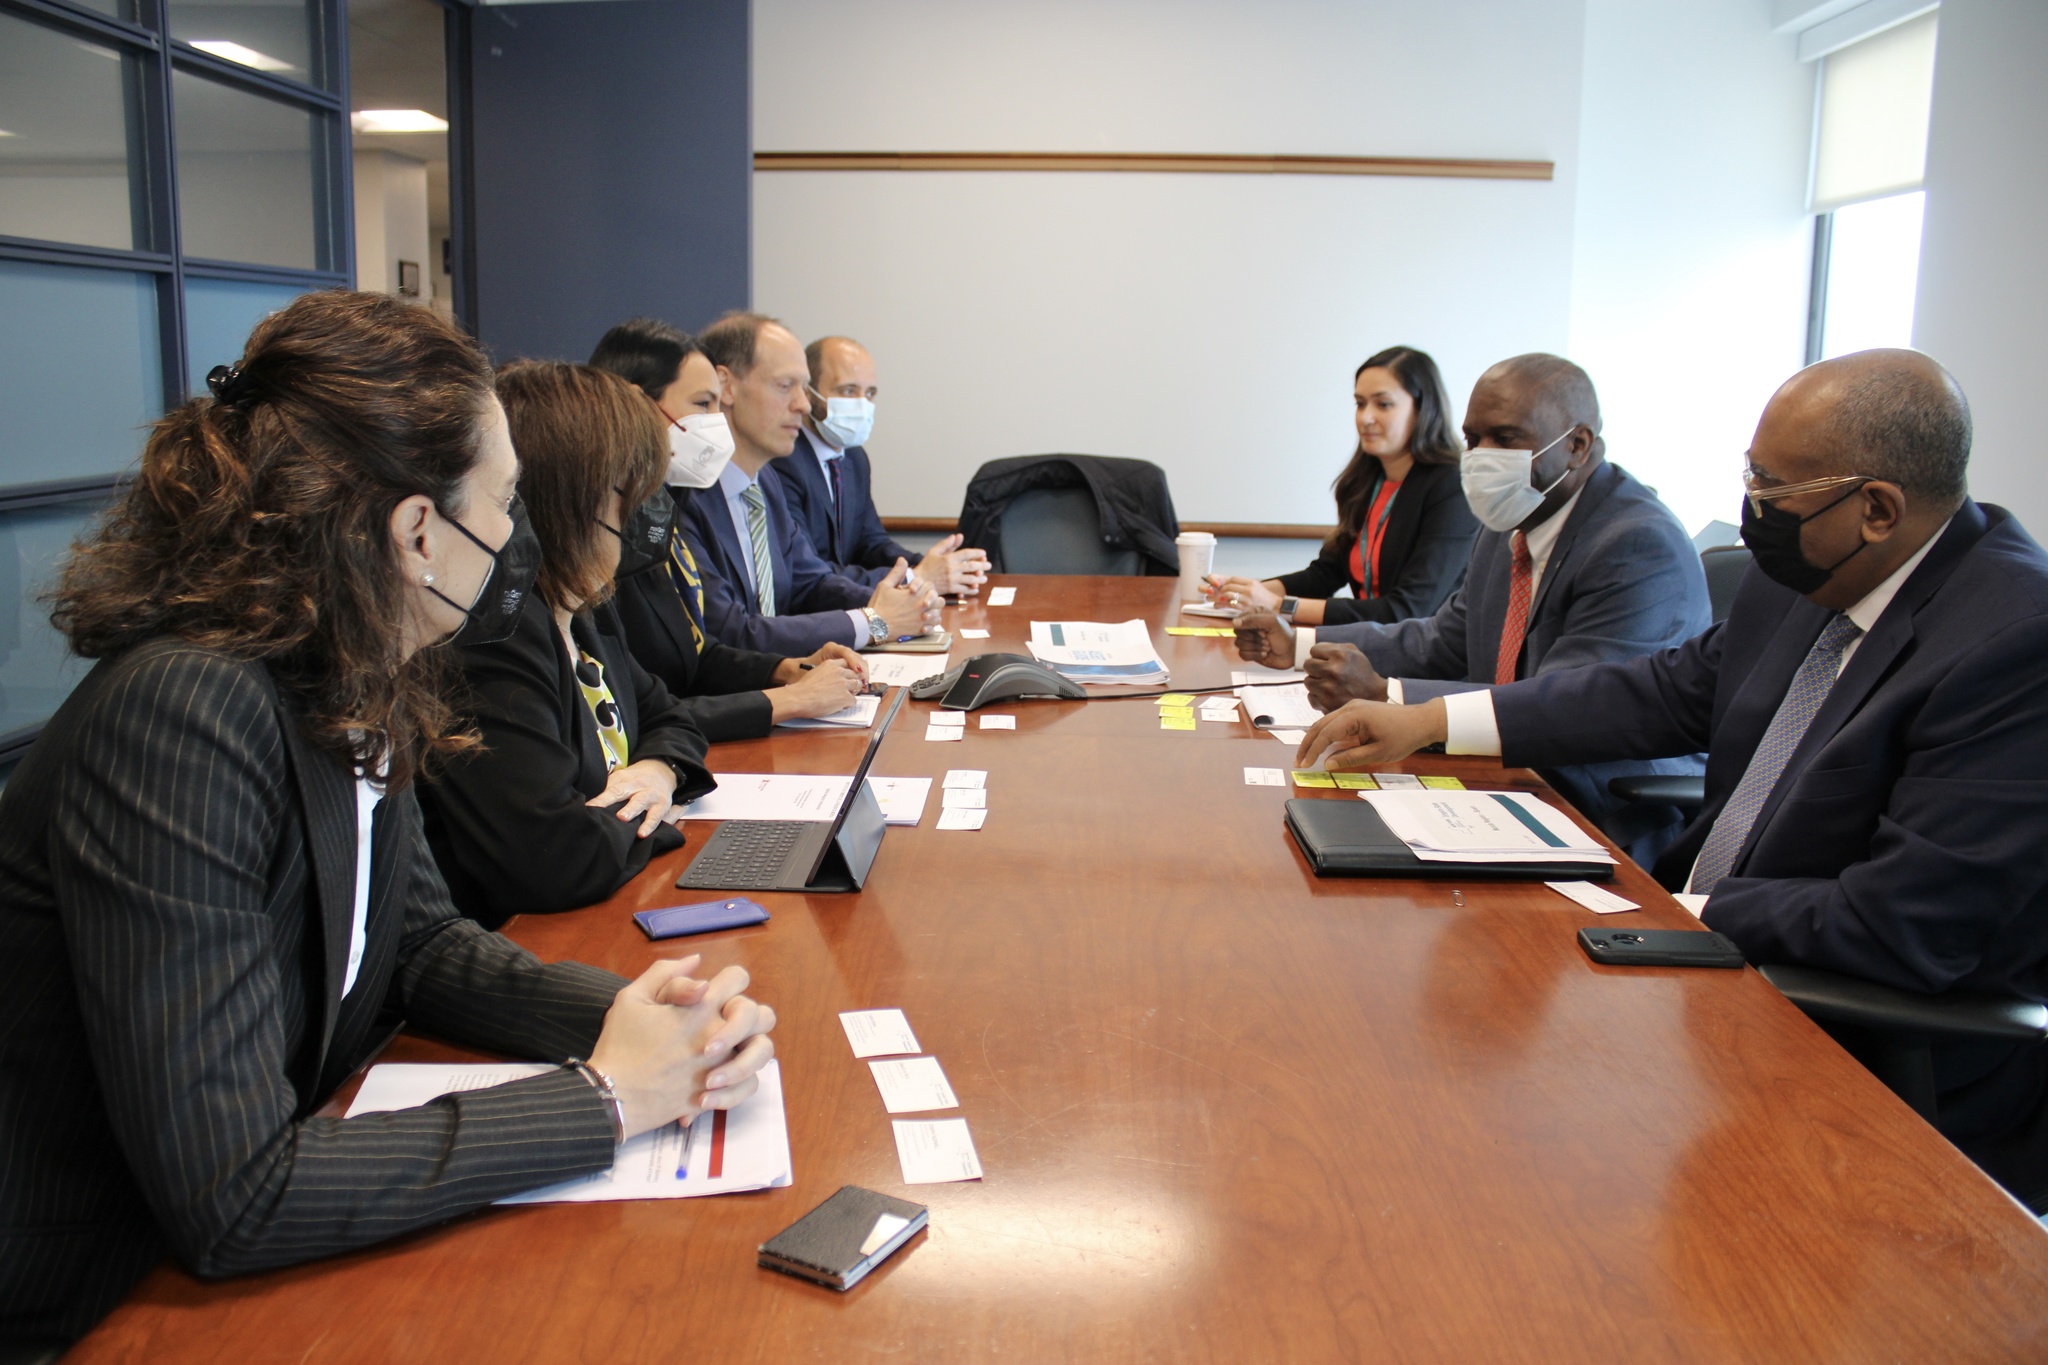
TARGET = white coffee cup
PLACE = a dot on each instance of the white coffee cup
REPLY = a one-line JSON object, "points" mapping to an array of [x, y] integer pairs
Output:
{"points": [[1197, 558]]}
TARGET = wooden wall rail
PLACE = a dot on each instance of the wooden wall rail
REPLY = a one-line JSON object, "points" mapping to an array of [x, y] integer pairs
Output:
{"points": [[1462, 168]]}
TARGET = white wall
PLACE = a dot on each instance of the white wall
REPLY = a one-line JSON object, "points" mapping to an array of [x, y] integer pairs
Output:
{"points": [[391, 222], [1211, 323], [1693, 247], [1983, 306]]}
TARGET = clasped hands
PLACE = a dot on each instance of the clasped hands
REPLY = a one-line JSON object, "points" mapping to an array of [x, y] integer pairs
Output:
{"points": [[675, 1046], [952, 571]]}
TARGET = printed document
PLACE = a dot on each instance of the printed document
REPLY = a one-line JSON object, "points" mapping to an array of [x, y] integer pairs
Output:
{"points": [[801, 796], [721, 1152], [1482, 827], [1107, 654], [901, 670], [1285, 707], [858, 714]]}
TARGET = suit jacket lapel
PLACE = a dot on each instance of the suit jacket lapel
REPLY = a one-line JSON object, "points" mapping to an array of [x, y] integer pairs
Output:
{"points": [[327, 793], [1597, 490], [805, 469]]}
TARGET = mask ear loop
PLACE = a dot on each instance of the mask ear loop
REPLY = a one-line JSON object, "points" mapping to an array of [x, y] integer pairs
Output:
{"points": [[1546, 492]]}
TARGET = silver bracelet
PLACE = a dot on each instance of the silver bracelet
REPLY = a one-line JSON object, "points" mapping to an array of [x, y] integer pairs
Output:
{"points": [[602, 1084]]}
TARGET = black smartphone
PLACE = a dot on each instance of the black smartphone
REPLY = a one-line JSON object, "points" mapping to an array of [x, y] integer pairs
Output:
{"points": [[1660, 947]]}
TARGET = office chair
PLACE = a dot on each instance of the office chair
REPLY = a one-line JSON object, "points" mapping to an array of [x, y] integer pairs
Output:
{"points": [[1057, 530], [1893, 1033], [1724, 566]]}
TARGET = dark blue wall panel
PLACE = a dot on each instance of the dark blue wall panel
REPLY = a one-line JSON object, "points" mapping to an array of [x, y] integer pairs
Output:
{"points": [[613, 168]]}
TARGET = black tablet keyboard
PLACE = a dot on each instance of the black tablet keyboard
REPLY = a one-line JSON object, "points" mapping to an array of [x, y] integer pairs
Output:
{"points": [[745, 854]]}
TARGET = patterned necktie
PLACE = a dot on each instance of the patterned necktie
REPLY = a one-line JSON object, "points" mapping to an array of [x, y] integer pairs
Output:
{"points": [[1521, 587], [688, 583], [838, 508], [757, 533], [1810, 687]]}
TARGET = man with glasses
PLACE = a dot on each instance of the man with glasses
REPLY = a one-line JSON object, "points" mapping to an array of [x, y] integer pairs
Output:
{"points": [[1577, 563], [830, 485], [1875, 724], [765, 588]]}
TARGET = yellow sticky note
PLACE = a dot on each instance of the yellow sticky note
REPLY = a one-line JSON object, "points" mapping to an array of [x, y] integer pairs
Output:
{"points": [[1178, 700], [1185, 630], [1221, 632], [1448, 784], [1356, 782], [1176, 720], [1304, 778]]}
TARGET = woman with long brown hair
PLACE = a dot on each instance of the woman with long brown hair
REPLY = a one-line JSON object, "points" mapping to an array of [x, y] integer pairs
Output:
{"points": [[1404, 530], [585, 754], [213, 881]]}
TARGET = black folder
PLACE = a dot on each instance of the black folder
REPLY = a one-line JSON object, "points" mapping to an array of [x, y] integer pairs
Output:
{"points": [[1348, 839]]}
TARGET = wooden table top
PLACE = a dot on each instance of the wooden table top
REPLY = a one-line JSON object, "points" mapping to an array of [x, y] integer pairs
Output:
{"points": [[1227, 1111]]}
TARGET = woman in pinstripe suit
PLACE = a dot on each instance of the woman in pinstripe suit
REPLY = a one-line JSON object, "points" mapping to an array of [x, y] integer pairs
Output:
{"points": [[214, 891]]}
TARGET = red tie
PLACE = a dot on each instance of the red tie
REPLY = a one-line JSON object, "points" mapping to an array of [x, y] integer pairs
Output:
{"points": [[1521, 582]]}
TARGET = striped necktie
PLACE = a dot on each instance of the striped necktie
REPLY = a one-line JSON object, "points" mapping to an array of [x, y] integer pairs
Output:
{"points": [[688, 583], [1810, 687], [757, 534], [1515, 629]]}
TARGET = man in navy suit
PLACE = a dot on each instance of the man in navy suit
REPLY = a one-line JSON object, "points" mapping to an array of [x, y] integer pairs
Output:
{"points": [[1875, 725], [1579, 563], [830, 486], [765, 588]]}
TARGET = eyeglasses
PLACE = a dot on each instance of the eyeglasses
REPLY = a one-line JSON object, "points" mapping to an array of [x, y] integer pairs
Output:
{"points": [[1759, 494]]}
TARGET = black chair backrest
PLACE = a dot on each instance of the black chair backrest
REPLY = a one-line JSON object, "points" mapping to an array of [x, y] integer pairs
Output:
{"points": [[1057, 530], [1724, 566]]}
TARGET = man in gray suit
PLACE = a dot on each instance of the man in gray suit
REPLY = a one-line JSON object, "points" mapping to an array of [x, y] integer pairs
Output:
{"points": [[1579, 563]]}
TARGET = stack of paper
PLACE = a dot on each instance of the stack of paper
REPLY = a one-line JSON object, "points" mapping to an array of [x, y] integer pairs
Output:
{"points": [[722, 1152], [858, 714], [963, 799], [802, 796], [901, 670], [1483, 827], [1285, 707], [1098, 653]]}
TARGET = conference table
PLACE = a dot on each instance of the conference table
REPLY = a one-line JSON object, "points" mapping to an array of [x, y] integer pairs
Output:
{"points": [[1226, 1110]]}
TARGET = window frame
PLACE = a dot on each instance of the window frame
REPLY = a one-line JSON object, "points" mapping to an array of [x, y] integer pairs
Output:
{"points": [[154, 198]]}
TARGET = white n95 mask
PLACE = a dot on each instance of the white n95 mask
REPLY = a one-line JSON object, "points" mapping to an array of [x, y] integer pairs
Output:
{"points": [[698, 448], [1497, 484], [848, 421]]}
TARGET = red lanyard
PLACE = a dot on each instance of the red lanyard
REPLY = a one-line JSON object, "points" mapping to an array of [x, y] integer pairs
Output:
{"points": [[1375, 535]]}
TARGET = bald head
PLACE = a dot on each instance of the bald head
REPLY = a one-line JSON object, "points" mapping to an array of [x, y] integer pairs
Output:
{"points": [[1554, 391], [1891, 414]]}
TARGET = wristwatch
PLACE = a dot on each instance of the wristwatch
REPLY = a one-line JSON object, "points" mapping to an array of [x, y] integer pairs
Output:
{"points": [[1287, 606], [878, 627]]}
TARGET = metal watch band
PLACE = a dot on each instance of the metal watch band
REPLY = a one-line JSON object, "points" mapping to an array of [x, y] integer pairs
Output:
{"points": [[602, 1084], [878, 627]]}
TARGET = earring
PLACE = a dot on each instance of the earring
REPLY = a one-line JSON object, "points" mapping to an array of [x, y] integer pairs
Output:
{"points": [[426, 579]]}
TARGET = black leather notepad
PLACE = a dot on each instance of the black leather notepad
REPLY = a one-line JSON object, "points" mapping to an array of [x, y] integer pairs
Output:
{"points": [[1348, 839], [844, 1238]]}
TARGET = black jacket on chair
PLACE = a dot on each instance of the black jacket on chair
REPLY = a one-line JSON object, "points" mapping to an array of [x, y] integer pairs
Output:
{"points": [[721, 685], [509, 825], [177, 879], [1131, 500], [1423, 552]]}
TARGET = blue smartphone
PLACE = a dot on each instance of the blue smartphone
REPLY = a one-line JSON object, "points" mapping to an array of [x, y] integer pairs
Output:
{"points": [[677, 920]]}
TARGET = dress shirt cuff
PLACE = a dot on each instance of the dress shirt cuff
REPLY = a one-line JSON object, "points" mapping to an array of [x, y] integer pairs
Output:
{"points": [[860, 628], [1469, 726], [1304, 641], [1396, 694]]}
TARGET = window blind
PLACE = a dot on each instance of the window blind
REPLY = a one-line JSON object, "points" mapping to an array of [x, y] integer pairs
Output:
{"points": [[1874, 98]]}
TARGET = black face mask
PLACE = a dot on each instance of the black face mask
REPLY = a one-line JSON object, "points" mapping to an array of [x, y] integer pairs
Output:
{"points": [[1773, 540], [643, 540], [514, 566]]}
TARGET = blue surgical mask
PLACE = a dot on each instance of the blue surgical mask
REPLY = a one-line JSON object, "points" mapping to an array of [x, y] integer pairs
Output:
{"points": [[1497, 483], [848, 421]]}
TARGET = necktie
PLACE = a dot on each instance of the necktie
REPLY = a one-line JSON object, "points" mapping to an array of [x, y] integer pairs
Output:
{"points": [[1521, 587], [838, 508], [757, 533], [688, 583], [1810, 687]]}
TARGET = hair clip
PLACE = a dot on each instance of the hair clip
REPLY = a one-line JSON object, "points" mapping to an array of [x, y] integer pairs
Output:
{"points": [[229, 385]]}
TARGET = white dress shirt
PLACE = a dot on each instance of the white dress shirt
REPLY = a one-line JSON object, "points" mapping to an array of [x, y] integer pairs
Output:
{"points": [[367, 797]]}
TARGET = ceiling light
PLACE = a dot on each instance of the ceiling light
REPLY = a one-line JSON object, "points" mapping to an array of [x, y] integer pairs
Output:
{"points": [[5, 133], [396, 121], [243, 56]]}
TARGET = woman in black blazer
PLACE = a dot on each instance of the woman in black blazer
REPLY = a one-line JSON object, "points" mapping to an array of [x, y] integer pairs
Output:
{"points": [[735, 693], [1404, 530], [214, 891]]}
